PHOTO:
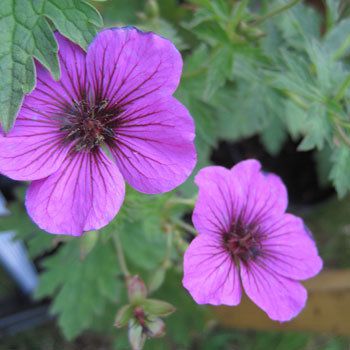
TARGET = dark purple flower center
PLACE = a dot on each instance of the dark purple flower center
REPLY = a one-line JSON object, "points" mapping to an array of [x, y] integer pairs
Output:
{"points": [[90, 124], [242, 242]]}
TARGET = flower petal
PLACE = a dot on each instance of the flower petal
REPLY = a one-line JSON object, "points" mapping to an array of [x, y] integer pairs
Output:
{"points": [[125, 64], [84, 194], [210, 274], [218, 200], [281, 298], [31, 158], [34, 148], [51, 98], [72, 60], [263, 194], [154, 147], [288, 248]]}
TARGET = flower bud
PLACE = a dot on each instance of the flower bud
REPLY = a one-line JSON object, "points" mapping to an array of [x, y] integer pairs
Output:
{"points": [[137, 290], [155, 328], [136, 336]]}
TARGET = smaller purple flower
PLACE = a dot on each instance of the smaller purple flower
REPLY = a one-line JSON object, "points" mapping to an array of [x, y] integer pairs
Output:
{"points": [[110, 119], [247, 240]]}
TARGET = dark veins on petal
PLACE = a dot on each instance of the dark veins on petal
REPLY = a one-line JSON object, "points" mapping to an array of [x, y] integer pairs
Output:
{"points": [[90, 123]]}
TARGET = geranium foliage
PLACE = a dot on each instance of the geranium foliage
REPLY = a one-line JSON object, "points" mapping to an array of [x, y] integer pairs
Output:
{"points": [[277, 70]]}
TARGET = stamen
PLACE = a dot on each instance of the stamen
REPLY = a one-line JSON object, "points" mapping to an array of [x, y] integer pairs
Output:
{"points": [[243, 241], [90, 125]]}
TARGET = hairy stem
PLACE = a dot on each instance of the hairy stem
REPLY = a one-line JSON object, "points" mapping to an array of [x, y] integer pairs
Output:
{"points": [[120, 255], [185, 226], [190, 202]]}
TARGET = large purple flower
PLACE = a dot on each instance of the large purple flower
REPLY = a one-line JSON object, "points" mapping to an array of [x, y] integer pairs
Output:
{"points": [[110, 118], [247, 240]]}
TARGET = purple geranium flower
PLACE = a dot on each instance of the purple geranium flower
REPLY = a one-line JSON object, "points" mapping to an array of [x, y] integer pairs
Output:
{"points": [[110, 118], [246, 239]]}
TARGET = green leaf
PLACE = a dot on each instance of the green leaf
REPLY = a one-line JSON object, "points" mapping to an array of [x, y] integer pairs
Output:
{"points": [[25, 34], [295, 119], [332, 12], [75, 19], [82, 286], [274, 136], [143, 248], [340, 170], [317, 129], [220, 69], [139, 225], [336, 42], [298, 25], [328, 72], [242, 111]]}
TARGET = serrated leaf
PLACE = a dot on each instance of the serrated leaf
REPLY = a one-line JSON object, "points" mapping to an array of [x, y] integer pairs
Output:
{"points": [[220, 69], [336, 41], [82, 286], [145, 251], [274, 136], [139, 225], [298, 25], [317, 129], [328, 71], [75, 19], [242, 111], [295, 77], [25, 34], [295, 118], [339, 174]]}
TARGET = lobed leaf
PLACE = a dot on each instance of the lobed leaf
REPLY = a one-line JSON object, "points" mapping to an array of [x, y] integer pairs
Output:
{"points": [[84, 286], [25, 34]]}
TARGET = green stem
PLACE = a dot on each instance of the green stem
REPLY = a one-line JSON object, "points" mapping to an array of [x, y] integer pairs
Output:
{"points": [[277, 11], [341, 51], [190, 202], [344, 137], [120, 255], [342, 90], [296, 99], [169, 245], [185, 226]]}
